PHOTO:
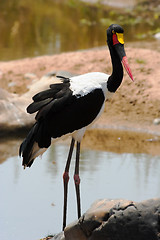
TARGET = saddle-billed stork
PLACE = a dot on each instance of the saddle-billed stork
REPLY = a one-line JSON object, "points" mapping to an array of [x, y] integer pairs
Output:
{"points": [[70, 107]]}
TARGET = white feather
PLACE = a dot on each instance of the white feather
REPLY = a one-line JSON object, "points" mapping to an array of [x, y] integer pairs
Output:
{"points": [[85, 83]]}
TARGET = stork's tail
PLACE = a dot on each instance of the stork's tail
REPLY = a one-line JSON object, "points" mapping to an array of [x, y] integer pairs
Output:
{"points": [[29, 148]]}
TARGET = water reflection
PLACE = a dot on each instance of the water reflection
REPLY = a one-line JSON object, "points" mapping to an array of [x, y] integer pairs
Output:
{"points": [[32, 28], [31, 200]]}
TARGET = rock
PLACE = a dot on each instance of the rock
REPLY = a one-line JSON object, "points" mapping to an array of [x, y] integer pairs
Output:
{"points": [[65, 74], [11, 84], [30, 76], [156, 121], [13, 113], [157, 35], [51, 74], [116, 220], [1, 74], [59, 236]]}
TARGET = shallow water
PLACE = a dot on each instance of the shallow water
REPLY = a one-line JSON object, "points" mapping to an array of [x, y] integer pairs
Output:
{"points": [[32, 199]]}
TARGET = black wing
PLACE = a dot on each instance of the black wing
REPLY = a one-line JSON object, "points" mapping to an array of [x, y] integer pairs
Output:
{"points": [[60, 112], [56, 92]]}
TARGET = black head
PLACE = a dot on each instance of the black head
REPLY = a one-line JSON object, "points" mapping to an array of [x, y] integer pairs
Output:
{"points": [[117, 30], [115, 42]]}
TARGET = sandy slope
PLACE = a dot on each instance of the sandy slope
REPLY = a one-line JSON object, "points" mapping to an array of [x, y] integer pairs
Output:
{"points": [[134, 105]]}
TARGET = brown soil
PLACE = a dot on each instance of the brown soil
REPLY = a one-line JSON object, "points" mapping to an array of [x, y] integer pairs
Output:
{"points": [[135, 104]]}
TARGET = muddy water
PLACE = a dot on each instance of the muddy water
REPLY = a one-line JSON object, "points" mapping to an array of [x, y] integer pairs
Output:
{"points": [[32, 199], [32, 28]]}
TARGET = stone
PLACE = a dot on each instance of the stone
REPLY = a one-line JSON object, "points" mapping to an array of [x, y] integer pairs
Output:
{"points": [[30, 76], [156, 121], [65, 74], [13, 115], [157, 35], [116, 220]]}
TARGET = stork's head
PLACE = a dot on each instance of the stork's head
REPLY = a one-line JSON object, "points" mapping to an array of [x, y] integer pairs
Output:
{"points": [[115, 40]]}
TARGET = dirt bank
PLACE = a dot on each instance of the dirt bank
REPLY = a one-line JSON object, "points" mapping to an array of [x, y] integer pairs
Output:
{"points": [[135, 105]]}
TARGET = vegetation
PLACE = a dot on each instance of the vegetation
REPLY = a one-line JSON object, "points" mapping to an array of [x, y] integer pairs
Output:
{"points": [[40, 27]]}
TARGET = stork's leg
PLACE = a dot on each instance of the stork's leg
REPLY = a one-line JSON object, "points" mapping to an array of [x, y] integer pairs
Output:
{"points": [[77, 179], [65, 181]]}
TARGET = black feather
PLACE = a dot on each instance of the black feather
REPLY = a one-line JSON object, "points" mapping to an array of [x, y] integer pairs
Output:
{"points": [[43, 136], [62, 92], [65, 79], [59, 86], [50, 93], [36, 106], [44, 95], [49, 98], [55, 105], [27, 145], [43, 112]]}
